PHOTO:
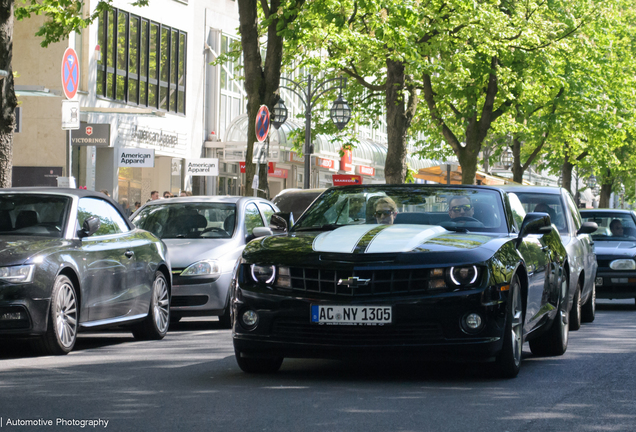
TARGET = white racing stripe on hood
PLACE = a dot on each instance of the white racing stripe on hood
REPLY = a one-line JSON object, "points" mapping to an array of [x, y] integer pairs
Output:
{"points": [[403, 238], [341, 240]]}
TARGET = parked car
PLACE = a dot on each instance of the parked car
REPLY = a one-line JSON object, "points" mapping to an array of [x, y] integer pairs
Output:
{"points": [[575, 235], [205, 236], [615, 245], [337, 285], [296, 201], [70, 261]]}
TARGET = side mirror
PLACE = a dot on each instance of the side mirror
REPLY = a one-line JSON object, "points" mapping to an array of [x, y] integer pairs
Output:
{"points": [[90, 227], [261, 232], [535, 223], [281, 222], [587, 228]]}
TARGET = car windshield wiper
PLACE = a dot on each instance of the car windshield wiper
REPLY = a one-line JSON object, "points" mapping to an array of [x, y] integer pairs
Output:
{"points": [[325, 227]]}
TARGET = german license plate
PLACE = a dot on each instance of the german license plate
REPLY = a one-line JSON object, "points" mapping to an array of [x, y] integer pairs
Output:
{"points": [[351, 315]]}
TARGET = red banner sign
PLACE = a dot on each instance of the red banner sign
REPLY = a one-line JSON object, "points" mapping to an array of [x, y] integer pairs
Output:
{"points": [[271, 166], [279, 173], [365, 170], [326, 163], [345, 179], [346, 162]]}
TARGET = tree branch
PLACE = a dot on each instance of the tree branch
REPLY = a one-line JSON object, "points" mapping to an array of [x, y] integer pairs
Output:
{"points": [[429, 97]]}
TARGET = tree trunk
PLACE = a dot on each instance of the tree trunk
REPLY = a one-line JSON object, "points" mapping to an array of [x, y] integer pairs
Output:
{"points": [[517, 168], [8, 100], [566, 174], [606, 193], [398, 121], [261, 82], [468, 161]]}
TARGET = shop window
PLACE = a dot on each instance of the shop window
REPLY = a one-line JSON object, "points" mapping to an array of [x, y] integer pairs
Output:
{"points": [[144, 62]]}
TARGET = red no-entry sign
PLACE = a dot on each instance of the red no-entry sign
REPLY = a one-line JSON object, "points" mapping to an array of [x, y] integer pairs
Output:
{"points": [[262, 123], [70, 73]]}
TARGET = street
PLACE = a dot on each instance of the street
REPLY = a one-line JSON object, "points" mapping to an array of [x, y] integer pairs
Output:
{"points": [[190, 381]]}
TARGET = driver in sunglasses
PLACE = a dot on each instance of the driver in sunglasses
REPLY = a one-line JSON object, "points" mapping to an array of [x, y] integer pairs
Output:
{"points": [[385, 211], [460, 206]]}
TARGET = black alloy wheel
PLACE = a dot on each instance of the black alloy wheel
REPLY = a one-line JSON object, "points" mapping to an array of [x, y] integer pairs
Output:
{"points": [[575, 312], [588, 310], [554, 342], [508, 362]]}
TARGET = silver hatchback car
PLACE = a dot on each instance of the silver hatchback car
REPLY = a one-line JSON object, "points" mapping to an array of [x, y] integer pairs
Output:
{"points": [[205, 236]]}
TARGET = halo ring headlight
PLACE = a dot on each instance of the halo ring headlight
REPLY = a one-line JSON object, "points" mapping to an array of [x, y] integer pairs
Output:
{"points": [[465, 275], [263, 273]]}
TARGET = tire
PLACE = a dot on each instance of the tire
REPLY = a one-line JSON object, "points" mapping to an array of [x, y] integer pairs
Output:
{"points": [[554, 342], [155, 325], [258, 365], [61, 331], [225, 320], [508, 362], [575, 312], [588, 311]]}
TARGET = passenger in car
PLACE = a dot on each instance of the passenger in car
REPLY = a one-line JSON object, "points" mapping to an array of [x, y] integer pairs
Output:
{"points": [[616, 227], [460, 206], [385, 211]]}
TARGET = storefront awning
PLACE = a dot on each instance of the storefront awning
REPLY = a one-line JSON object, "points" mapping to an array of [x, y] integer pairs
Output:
{"points": [[452, 173]]}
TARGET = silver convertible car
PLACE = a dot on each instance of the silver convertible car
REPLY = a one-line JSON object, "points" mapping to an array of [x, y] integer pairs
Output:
{"points": [[205, 237], [70, 260]]}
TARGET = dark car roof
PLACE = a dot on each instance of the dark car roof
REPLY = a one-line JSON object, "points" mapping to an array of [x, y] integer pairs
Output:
{"points": [[606, 210], [532, 189]]}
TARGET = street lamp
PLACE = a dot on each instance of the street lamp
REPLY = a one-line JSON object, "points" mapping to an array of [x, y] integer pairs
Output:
{"points": [[507, 158], [591, 181], [280, 114], [308, 92]]}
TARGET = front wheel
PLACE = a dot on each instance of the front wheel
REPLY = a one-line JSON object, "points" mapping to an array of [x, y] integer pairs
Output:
{"points": [[588, 311], [508, 362], [258, 365], [61, 331], [155, 325]]}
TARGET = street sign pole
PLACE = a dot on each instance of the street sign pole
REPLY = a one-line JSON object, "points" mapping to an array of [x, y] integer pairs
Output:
{"points": [[70, 111]]}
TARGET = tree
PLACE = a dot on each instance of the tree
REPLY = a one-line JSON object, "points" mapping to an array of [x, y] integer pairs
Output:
{"points": [[275, 19]]}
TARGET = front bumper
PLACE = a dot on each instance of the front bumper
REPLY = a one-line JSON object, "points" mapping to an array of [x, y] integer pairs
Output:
{"points": [[23, 311], [615, 284], [427, 326], [201, 298]]}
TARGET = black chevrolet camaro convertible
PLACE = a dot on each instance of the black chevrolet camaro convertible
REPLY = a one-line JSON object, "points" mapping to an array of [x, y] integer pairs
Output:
{"points": [[403, 270], [70, 260]]}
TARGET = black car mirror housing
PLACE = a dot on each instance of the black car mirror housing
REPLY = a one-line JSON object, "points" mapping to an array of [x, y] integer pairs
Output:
{"points": [[587, 228], [535, 223], [281, 222], [89, 227]]}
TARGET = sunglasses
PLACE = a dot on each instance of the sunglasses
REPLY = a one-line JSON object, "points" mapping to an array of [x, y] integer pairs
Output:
{"points": [[380, 213], [465, 207]]}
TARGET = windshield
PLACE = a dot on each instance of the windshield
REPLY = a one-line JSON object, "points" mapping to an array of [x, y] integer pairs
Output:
{"points": [[33, 215], [188, 220], [545, 203], [456, 209], [611, 226]]}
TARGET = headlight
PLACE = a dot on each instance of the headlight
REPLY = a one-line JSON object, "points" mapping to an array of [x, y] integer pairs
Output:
{"points": [[17, 274], [463, 276], [623, 264], [203, 268], [263, 273]]}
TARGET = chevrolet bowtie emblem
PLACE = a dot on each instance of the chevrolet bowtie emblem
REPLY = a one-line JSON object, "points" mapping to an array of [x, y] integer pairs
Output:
{"points": [[354, 281]]}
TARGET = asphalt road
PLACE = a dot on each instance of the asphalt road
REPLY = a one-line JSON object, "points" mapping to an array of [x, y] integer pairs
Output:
{"points": [[190, 382]]}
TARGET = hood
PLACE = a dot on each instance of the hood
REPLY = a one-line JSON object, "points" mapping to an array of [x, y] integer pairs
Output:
{"points": [[16, 250], [182, 251], [615, 248], [370, 240]]}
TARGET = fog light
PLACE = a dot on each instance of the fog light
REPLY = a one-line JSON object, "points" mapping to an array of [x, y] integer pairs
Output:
{"points": [[250, 318], [473, 321]]}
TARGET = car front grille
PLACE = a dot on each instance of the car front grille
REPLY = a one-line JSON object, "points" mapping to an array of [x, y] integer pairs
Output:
{"points": [[393, 334], [368, 283]]}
